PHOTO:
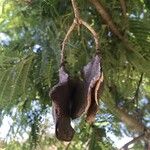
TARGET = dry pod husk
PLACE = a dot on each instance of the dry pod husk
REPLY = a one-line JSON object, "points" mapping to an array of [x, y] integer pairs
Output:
{"points": [[93, 77], [60, 95], [77, 96], [68, 102], [73, 97]]}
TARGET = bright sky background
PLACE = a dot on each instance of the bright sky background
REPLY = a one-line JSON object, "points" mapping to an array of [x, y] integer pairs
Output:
{"points": [[7, 122]]}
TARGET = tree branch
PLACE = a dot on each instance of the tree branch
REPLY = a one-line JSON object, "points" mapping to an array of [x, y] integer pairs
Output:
{"points": [[123, 6], [125, 147], [107, 18], [122, 114], [130, 120]]}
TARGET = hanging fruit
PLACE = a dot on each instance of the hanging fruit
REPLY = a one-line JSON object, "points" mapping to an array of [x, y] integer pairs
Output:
{"points": [[72, 97]]}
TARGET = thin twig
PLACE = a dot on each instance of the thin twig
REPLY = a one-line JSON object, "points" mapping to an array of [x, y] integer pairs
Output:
{"points": [[68, 145], [133, 141], [95, 36], [65, 40], [77, 22], [135, 99], [75, 9]]}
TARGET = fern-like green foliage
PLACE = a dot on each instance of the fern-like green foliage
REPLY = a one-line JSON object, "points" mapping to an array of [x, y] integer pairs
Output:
{"points": [[15, 81]]}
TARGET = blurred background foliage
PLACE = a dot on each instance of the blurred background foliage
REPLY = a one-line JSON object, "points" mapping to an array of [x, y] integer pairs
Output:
{"points": [[31, 32]]}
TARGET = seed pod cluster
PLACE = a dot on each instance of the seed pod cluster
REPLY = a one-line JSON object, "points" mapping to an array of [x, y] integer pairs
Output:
{"points": [[72, 97]]}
